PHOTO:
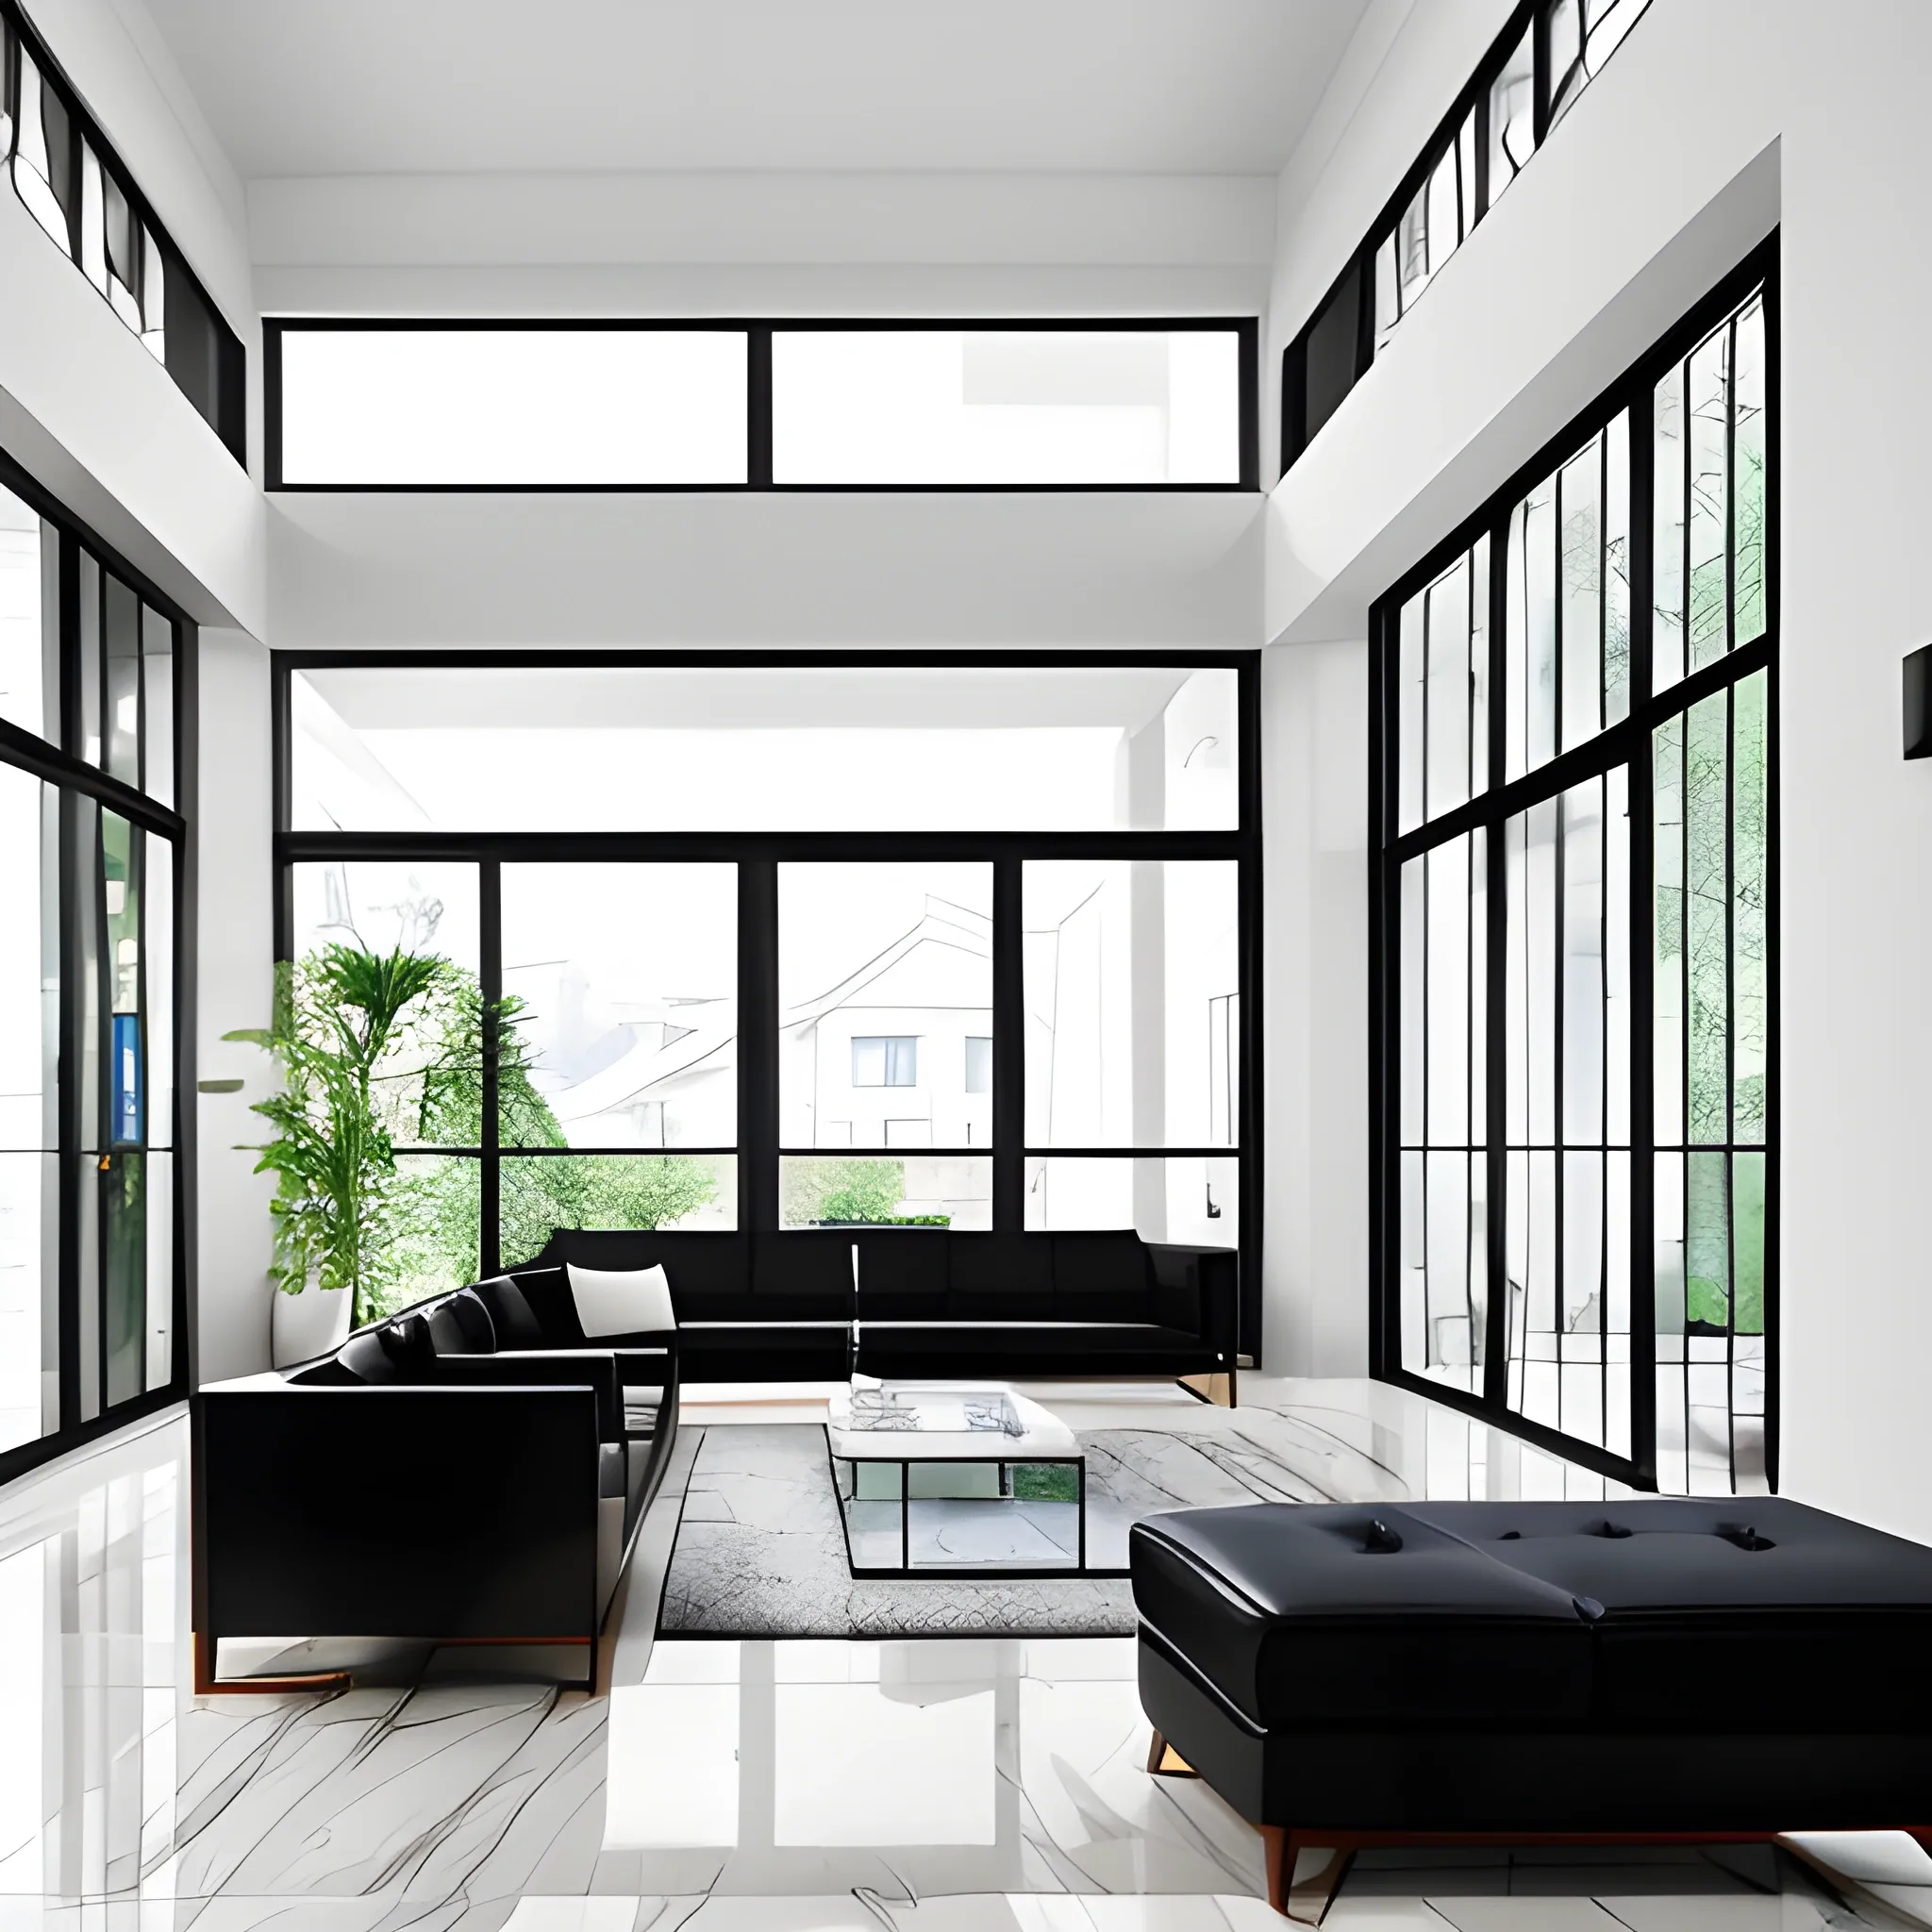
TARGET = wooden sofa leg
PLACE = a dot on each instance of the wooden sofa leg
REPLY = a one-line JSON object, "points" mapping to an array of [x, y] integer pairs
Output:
{"points": [[1306, 1903], [1163, 1760]]}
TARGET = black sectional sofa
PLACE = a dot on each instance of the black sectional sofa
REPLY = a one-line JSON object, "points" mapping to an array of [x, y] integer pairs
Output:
{"points": [[1347, 1676], [471, 1470], [475, 1469], [930, 1302]]}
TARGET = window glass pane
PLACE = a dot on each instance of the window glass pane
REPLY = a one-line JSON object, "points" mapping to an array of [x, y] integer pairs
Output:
{"points": [[432, 1232], [1531, 647], [462, 406], [41, 161], [1709, 379], [1193, 1199], [94, 219], [158, 999], [1707, 902], [1583, 35], [1006, 406], [29, 965], [1750, 931], [29, 1116], [123, 612], [88, 741], [1443, 722], [29, 1296], [1332, 351], [354, 924], [1579, 574], [1444, 1116], [158, 705], [124, 1273], [87, 1248], [124, 253], [81, 821], [29, 627], [621, 988], [1669, 483], [1388, 286], [1616, 570], [820, 1191], [978, 1064], [154, 334], [806, 749], [159, 1342], [124, 1048], [884, 970], [543, 1192], [1512, 115], [1124, 963], [1748, 404]]}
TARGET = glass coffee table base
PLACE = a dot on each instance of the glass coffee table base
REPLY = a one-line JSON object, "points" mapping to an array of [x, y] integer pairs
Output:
{"points": [[977, 1519]]}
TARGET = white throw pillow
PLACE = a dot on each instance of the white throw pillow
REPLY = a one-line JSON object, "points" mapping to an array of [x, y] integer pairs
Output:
{"points": [[630, 1301]]}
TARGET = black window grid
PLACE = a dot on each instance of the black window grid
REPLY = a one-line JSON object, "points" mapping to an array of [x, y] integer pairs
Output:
{"points": [[203, 355], [760, 1147], [1627, 744], [1336, 347], [759, 332]]}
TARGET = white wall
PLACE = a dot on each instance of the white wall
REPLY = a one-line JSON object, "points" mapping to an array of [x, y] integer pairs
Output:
{"points": [[235, 988], [1315, 1014], [353, 570], [1716, 119]]}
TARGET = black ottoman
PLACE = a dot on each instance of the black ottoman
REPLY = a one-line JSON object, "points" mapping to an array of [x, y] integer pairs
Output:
{"points": [[1347, 1675]]}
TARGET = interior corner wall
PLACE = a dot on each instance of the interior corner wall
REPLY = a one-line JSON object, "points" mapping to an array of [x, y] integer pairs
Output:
{"points": [[84, 405], [1315, 791], [1856, 919], [1715, 119], [235, 933]]}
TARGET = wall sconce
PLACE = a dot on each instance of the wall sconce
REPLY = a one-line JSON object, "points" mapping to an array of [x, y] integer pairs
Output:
{"points": [[1918, 697]]}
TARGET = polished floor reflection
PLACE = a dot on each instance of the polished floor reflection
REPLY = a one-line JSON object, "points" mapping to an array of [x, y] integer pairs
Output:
{"points": [[929, 1785]]}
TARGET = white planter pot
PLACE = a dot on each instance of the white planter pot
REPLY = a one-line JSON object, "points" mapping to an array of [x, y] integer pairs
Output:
{"points": [[308, 1324]]}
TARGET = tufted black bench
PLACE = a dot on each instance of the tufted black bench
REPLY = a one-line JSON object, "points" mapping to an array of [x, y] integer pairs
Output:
{"points": [[1345, 1675]]}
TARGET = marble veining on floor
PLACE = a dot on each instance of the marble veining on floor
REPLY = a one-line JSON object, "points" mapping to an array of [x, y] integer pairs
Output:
{"points": [[930, 1785]]}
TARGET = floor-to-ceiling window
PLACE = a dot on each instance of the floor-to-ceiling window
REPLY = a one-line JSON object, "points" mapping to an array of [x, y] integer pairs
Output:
{"points": [[1575, 930], [768, 941], [95, 677]]}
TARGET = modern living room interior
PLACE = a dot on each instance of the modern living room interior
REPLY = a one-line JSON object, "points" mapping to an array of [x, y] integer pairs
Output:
{"points": [[959, 966]]}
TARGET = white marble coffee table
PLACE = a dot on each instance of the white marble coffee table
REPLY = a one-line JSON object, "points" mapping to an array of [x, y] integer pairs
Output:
{"points": [[956, 1479]]}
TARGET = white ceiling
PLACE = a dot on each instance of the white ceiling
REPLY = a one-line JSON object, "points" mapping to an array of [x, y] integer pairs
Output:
{"points": [[347, 86]]}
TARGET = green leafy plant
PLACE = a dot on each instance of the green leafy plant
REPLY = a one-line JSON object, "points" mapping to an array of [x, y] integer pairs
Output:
{"points": [[341, 1035], [379, 1048]]}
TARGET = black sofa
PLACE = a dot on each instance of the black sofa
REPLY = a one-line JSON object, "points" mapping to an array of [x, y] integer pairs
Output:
{"points": [[931, 1302], [1348, 1676], [471, 1470]]}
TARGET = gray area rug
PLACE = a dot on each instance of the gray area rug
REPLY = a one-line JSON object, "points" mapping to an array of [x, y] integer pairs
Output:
{"points": [[760, 1551]]}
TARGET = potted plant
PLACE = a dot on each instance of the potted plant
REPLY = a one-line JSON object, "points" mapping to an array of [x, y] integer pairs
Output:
{"points": [[339, 1017]]}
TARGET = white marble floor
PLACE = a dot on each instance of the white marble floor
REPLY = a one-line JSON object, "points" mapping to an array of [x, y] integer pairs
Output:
{"points": [[928, 1786]]}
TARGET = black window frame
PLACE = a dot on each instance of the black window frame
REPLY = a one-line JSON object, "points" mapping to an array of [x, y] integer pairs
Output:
{"points": [[75, 778], [758, 856], [1531, 17], [759, 332], [205, 358], [1626, 743]]}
